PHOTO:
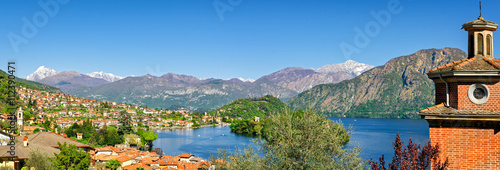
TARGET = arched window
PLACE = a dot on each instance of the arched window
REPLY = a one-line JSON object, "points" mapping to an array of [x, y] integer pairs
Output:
{"points": [[488, 45], [480, 45]]}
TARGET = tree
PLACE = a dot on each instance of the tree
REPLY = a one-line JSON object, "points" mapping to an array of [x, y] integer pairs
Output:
{"points": [[36, 130], [298, 140], [112, 137], [150, 136], [125, 123], [159, 151], [39, 160], [411, 157], [69, 158], [113, 164]]}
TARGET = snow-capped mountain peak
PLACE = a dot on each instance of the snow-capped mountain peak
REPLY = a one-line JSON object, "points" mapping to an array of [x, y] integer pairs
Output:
{"points": [[350, 66], [246, 80], [106, 76], [41, 73]]}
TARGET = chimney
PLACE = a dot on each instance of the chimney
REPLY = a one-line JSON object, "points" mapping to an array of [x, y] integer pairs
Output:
{"points": [[25, 141]]}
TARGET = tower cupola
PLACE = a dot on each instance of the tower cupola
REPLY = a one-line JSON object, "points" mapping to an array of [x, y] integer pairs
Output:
{"points": [[480, 37]]}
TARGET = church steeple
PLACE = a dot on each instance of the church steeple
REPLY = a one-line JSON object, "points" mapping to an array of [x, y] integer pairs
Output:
{"points": [[480, 36]]}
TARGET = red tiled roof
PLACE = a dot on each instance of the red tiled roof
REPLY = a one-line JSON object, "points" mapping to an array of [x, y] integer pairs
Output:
{"points": [[185, 155], [472, 64]]}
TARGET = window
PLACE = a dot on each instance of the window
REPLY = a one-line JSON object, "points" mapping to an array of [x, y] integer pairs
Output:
{"points": [[478, 93], [488, 45], [480, 45]]}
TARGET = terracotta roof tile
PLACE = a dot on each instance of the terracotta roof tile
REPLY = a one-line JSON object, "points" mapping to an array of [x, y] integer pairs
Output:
{"points": [[472, 64], [449, 111]]}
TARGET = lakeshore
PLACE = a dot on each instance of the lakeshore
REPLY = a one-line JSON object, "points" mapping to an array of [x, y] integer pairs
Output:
{"points": [[375, 136]]}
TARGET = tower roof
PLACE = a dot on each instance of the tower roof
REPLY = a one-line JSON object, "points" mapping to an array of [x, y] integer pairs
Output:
{"points": [[470, 64], [480, 24]]}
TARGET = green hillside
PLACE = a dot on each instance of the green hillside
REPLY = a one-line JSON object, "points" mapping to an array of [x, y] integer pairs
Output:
{"points": [[4, 98], [248, 108], [31, 84]]}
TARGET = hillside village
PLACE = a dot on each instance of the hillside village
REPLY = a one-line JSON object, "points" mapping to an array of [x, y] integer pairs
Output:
{"points": [[56, 115]]}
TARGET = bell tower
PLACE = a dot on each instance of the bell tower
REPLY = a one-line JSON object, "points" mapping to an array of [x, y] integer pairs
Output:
{"points": [[466, 118], [480, 37]]}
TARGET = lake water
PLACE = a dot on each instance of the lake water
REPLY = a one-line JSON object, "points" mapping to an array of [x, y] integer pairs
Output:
{"points": [[375, 136]]}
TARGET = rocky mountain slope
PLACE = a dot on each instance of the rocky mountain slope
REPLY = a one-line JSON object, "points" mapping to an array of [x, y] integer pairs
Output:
{"points": [[400, 88], [70, 80], [182, 91], [350, 67], [172, 90]]}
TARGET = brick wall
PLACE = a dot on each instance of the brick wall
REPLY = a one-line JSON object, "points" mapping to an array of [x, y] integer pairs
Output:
{"points": [[467, 148], [464, 103], [441, 94], [459, 98]]}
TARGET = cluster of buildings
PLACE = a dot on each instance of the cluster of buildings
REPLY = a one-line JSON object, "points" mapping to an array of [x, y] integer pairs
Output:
{"points": [[131, 159], [64, 110]]}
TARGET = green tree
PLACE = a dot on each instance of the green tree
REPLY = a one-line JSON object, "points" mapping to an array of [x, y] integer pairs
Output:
{"points": [[113, 164], [112, 138], [299, 140], [39, 160], [36, 130], [125, 123], [70, 158]]}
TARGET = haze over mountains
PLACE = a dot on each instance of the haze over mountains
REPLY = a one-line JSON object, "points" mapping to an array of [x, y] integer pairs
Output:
{"points": [[183, 91]]}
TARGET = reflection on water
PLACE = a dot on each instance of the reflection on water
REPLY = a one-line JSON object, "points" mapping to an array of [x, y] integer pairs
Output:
{"points": [[375, 136]]}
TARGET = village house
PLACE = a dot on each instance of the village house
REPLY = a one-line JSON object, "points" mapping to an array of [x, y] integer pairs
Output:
{"points": [[42, 141]]}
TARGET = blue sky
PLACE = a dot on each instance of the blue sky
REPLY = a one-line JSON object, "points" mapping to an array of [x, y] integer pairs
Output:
{"points": [[239, 38]]}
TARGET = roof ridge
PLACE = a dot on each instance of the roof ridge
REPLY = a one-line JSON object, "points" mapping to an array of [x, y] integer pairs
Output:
{"points": [[491, 62], [449, 64], [463, 62], [35, 135]]}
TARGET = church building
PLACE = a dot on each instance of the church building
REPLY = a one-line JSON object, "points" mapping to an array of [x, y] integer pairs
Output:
{"points": [[466, 118]]}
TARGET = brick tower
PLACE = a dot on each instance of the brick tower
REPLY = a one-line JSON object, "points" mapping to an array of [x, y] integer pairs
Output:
{"points": [[466, 118]]}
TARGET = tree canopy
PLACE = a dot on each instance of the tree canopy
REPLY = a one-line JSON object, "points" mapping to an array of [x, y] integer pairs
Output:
{"points": [[298, 140], [70, 158]]}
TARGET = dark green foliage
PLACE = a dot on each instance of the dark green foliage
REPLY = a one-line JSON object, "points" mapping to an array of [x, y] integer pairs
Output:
{"points": [[62, 83], [70, 158], [248, 108], [86, 128], [248, 126], [125, 126], [113, 164]]}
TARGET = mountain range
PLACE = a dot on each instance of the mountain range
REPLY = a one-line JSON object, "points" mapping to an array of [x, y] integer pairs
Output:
{"points": [[397, 89], [70, 80], [184, 91]]}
